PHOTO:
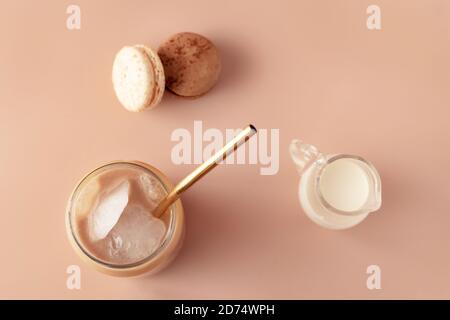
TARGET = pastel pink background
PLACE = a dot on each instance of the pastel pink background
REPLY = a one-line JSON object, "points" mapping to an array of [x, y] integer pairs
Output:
{"points": [[310, 68]]}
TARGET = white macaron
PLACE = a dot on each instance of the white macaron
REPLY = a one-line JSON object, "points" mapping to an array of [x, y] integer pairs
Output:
{"points": [[138, 78]]}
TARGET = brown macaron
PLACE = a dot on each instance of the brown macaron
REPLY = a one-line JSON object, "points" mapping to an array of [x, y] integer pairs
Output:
{"points": [[191, 64]]}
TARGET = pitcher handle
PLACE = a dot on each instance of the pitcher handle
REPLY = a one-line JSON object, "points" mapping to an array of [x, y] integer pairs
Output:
{"points": [[303, 155]]}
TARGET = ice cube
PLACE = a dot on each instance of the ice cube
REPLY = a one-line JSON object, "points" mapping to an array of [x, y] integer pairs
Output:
{"points": [[135, 237], [152, 188], [87, 197], [108, 211]]}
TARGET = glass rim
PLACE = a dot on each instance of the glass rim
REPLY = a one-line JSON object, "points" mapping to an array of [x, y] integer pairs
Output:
{"points": [[161, 247]]}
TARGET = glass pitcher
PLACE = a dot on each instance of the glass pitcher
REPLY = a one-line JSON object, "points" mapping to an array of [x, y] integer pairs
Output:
{"points": [[336, 191]]}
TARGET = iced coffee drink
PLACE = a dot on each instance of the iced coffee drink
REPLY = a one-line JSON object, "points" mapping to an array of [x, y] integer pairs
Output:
{"points": [[110, 220]]}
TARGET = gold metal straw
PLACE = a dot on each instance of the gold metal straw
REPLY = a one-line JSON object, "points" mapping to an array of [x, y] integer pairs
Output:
{"points": [[203, 169]]}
